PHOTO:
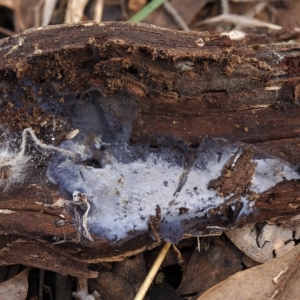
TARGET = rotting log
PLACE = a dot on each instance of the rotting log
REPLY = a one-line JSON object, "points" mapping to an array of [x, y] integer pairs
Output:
{"points": [[184, 85]]}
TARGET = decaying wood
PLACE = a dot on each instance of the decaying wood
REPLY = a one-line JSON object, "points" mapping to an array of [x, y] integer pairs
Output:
{"points": [[187, 85]]}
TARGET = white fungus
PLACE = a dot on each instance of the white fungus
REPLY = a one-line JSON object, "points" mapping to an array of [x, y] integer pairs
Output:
{"points": [[123, 184], [126, 193]]}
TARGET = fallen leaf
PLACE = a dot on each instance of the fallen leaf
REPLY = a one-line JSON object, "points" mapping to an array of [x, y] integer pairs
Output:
{"points": [[217, 260], [111, 286], [15, 288], [132, 269], [257, 283], [265, 243], [162, 291]]}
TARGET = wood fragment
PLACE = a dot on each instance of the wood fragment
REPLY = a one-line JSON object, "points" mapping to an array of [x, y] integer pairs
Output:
{"points": [[242, 21], [225, 7], [154, 223], [176, 17], [150, 276], [98, 11], [289, 273]]}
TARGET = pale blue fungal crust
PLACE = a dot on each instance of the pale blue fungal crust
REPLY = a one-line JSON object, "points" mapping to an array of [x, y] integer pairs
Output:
{"points": [[126, 182]]}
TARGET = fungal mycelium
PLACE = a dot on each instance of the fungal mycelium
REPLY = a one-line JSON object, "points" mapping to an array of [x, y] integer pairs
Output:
{"points": [[128, 189]]}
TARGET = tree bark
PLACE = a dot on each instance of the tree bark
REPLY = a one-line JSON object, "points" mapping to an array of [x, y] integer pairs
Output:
{"points": [[187, 85]]}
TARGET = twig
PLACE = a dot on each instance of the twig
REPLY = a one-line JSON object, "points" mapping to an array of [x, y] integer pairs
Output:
{"points": [[198, 244], [154, 222], [181, 261], [276, 278], [62, 241], [225, 7], [148, 280], [83, 290], [256, 9], [75, 10], [238, 20], [288, 275], [98, 10], [252, 0], [273, 11], [48, 9], [170, 9], [41, 283], [6, 32], [36, 13], [18, 20]]}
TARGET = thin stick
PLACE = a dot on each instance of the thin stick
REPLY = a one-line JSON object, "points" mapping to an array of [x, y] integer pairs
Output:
{"points": [[36, 14], [98, 10], [175, 15], [289, 273], [41, 283], [252, 0], [225, 7], [6, 32], [259, 7], [148, 280], [238, 20]]}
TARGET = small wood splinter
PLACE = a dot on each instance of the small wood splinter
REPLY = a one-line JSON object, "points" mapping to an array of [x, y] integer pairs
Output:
{"points": [[290, 271], [155, 267], [154, 222], [276, 278]]}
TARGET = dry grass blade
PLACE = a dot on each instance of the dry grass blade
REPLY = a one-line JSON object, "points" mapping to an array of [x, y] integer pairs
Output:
{"points": [[225, 6], [256, 9], [148, 280], [238, 20], [175, 15]]}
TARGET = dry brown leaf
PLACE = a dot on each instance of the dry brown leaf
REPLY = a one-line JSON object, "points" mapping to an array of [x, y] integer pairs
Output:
{"points": [[112, 286], [162, 291], [257, 283], [217, 260], [264, 244], [15, 288], [133, 269]]}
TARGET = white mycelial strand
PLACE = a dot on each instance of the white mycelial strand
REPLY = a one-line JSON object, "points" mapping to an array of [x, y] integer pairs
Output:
{"points": [[12, 165], [12, 168]]}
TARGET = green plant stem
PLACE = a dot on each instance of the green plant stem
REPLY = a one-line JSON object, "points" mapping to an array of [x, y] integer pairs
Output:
{"points": [[146, 10]]}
